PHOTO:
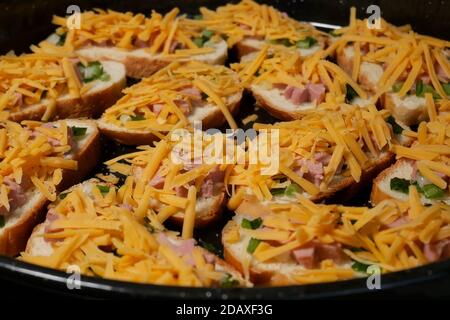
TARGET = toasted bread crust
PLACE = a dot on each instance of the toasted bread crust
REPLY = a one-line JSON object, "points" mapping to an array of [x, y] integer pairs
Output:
{"points": [[137, 137], [259, 277], [406, 115], [90, 106], [141, 67], [377, 195], [243, 49], [207, 218], [14, 238], [274, 110]]}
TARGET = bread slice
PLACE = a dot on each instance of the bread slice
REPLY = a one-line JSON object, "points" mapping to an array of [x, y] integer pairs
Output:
{"points": [[91, 104], [274, 102], [15, 233], [140, 63], [410, 109], [38, 246], [381, 189], [268, 273], [210, 115]]}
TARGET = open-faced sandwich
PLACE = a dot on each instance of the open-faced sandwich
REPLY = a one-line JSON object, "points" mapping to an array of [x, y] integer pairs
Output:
{"points": [[248, 26], [168, 176], [324, 152], [425, 164], [175, 97], [143, 44], [302, 243], [286, 84], [36, 161], [110, 233], [402, 69], [41, 86]]}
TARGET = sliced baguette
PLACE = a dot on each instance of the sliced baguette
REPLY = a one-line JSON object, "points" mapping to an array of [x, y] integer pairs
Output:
{"points": [[381, 189], [410, 110], [140, 63], [210, 115], [268, 273], [91, 104], [14, 235], [38, 246]]}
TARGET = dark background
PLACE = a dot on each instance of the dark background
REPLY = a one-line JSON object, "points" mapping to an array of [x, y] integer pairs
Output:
{"points": [[24, 22]]}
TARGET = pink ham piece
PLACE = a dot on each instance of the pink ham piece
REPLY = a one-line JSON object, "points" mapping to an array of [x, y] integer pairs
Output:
{"points": [[322, 157], [17, 100], [310, 93], [157, 108], [314, 172], [51, 216], [184, 106], [181, 191], [398, 222], [126, 206], [214, 177], [16, 196], [313, 253], [157, 182], [316, 92], [183, 248], [173, 46], [437, 250], [192, 92]]}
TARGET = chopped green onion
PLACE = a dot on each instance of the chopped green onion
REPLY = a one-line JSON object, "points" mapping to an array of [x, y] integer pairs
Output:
{"points": [[209, 246], [251, 224], [395, 126], [360, 267], [422, 88], [2, 221], [62, 196], [93, 71], [291, 189], [198, 17], [419, 89], [138, 117], [228, 281], [333, 33], [397, 86], [446, 87], [207, 34], [399, 184], [432, 191], [350, 93], [277, 191], [252, 245], [78, 131], [306, 43], [61, 40], [103, 189]]}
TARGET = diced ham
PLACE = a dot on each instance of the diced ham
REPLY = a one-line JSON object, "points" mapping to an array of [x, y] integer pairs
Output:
{"points": [[244, 26], [425, 79], [17, 100], [311, 92], [183, 248], [192, 92], [184, 106], [316, 92], [207, 188], [16, 196], [157, 108], [314, 171], [323, 157], [181, 191], [437, 250], [398, 222], [157, 182], [51, 217], [314, 252]]}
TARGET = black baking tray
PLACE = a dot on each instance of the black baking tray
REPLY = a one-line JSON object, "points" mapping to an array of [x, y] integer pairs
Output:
{"points": [[24, 22]]}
